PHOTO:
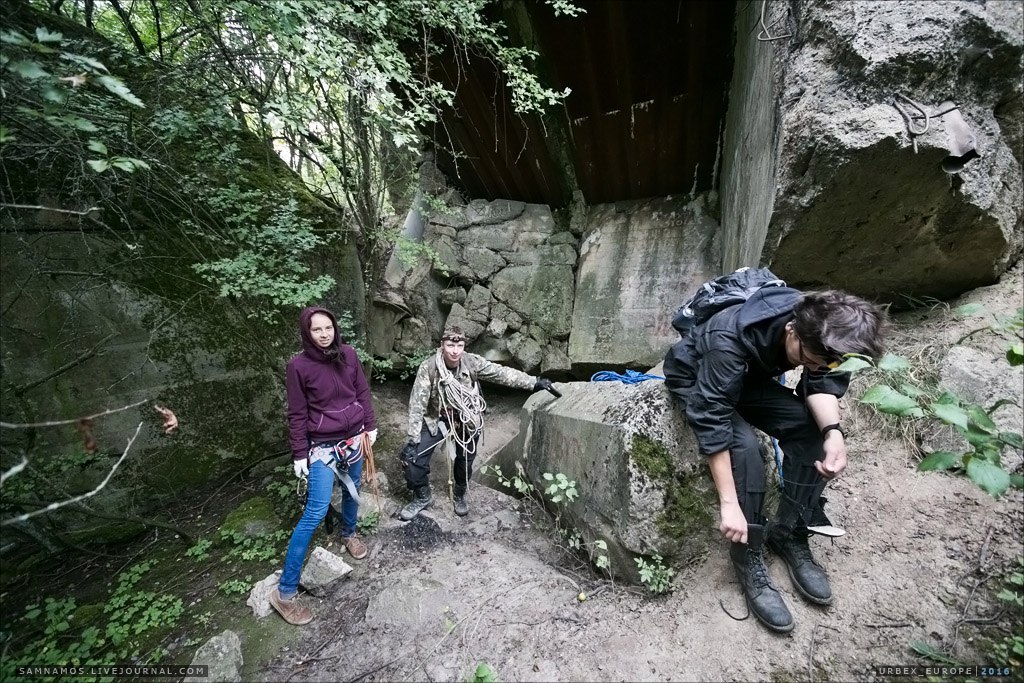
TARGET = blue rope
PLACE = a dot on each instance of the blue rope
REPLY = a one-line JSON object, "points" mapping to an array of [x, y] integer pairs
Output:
{"points": [[631, 377]]}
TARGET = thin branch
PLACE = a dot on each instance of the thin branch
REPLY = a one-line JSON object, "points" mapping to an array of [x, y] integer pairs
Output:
{"points": [[14, 470], [76, 420], [59, 504], [126, 20], [67, 366], [36, 207]]}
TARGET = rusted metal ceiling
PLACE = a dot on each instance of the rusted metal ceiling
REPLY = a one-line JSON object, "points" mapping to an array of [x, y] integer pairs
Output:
{"points": [[649, 80]]}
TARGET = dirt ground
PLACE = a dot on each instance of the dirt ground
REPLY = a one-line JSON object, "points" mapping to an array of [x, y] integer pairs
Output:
{"points": [[922, 557]]}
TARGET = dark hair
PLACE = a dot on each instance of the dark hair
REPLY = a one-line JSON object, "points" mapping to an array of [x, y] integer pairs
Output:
{"points": [[833, 323]]}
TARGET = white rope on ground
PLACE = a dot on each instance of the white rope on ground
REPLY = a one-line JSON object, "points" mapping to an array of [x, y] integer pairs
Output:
{"points": [[465, 408]]}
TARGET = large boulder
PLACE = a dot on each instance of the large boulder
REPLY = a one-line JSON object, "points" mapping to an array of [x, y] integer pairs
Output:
{"points": [[643, 487], [223, 655], [859, 202]]}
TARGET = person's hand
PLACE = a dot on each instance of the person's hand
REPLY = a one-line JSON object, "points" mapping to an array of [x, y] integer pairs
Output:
{"points": [[301, 468], [734, 524], [543, 384], [834, 462], [373, 436], [408, 453]]}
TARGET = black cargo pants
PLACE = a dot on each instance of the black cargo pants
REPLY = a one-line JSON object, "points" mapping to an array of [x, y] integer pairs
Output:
{"points": [[417, 472], [776, 411]]}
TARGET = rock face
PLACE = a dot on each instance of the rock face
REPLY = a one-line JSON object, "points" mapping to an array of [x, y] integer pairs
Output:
{"points": [[643, 487], [259, 596], [502, 271], [322, 569], [223, 654], [509, 276], [638, 261], [861, 204]]}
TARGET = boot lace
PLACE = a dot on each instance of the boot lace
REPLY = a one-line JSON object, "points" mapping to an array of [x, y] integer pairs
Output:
{"points": [[799, 549], [759, 572]]}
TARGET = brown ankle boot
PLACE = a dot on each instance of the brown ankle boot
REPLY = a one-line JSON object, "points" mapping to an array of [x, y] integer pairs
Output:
{"points": [[291, 610]]}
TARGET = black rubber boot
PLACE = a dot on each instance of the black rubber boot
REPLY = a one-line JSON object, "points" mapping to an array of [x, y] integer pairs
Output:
{"points": [[807, 575], [764, 601], [459, 500], [421, 502]]}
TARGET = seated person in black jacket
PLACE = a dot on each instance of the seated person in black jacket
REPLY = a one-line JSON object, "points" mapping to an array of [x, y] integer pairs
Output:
{"points": [[723, 371]]}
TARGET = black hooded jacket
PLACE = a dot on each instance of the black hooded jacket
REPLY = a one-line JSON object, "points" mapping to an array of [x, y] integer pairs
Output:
{"points": [[708, 368]]}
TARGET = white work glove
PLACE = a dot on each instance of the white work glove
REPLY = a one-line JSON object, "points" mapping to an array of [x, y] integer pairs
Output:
{"points": [[301, 468], [373, 436]]}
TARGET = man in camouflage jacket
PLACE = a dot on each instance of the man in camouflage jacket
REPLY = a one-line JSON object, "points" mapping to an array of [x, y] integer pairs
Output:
{"points": [[446, 403]]}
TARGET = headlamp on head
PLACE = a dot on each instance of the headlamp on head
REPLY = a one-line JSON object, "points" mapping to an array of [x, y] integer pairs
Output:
{"points": [[453, 336]]}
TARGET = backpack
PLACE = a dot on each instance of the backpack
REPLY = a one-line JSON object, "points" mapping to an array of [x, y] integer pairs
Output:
{"points": [[721, 293]]}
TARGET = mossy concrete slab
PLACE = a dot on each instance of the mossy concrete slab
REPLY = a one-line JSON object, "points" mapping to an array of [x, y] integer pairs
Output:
{"points": [[643, 487]]}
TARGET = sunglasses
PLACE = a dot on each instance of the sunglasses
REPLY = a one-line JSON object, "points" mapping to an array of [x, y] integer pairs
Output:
{"points": [[813, 361]]}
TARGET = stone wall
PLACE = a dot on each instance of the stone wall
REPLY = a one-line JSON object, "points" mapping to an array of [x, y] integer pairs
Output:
{"points": [[508, 274], [638, 261], [747, 187]]}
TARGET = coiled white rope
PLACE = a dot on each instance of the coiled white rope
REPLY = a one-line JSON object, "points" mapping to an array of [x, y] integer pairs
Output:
{"points": [[464, 406]]}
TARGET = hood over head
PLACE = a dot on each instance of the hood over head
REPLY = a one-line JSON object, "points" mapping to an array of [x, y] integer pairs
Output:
{"points": [[309, 346]]}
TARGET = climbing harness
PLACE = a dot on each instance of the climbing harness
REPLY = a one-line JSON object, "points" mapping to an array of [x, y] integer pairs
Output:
{"points": [[631, 377], [462, 411], [339, 457]]}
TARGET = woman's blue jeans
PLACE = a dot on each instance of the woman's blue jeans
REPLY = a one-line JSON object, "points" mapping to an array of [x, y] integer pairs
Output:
{"points": [[321, 484]]}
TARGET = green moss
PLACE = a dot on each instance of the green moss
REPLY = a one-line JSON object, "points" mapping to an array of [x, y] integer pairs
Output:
{"points": [[652, 458], [254, 517], [105, 532], [87, 615], [687, 513]]}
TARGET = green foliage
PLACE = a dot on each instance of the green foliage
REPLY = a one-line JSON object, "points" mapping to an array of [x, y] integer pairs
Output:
{"points": [[62, 637], [483, 674], [654, 575], [253, 548], [561, 488], [982, 464], [1009, 650], [48, 87], [517, 482], [368, 523], [559, 493], [235, 586], [200, 551]]}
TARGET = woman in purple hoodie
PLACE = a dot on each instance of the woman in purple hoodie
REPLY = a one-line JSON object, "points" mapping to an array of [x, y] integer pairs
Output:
{"points": [[329, 414]]}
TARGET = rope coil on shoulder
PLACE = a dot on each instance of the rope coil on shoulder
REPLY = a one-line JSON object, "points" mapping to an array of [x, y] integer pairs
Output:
{"points": [[464, 408]]}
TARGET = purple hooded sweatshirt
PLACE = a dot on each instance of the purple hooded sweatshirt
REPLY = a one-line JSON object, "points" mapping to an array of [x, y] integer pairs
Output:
{"points": [[328, 397]]}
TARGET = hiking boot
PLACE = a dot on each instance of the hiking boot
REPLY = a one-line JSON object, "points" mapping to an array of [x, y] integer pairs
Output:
{"points": [[291, 610], [422, 501], [355, 546], [763, 599], [807, 575], [461, 508]]}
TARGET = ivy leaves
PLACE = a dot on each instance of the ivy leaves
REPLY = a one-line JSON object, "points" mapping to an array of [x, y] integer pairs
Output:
{"points": [[983, 463], [45, 91]]}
